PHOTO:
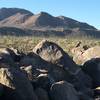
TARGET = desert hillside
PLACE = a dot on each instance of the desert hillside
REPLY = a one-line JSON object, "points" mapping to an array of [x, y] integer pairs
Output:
{"points": [[13, 20]]}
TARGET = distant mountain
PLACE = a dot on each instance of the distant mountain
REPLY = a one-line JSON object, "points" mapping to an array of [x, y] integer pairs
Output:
{"points": [[42, 23], [71, 23], [43, 20], [8, 12]]}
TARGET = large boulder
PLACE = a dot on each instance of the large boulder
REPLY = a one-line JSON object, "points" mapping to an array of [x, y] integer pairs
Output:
{"points": [[63, 91], [45, 78], [15, 54], [9, 56], [92, 68], [5, 56], [49, 59], [16, 85], [52, 53], [79, 48], [34, 66], [35, 61], [82, 57], [59, 74]]}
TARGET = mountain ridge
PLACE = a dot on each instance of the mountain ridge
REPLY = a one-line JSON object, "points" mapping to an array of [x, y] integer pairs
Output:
{"points": [[24, 19]]}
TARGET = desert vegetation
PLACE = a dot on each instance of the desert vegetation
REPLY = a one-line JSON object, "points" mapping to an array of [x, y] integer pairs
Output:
{"points": [[26, 44]]}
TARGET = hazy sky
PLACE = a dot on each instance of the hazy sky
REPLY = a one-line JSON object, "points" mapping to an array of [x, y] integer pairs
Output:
{"points": [[82, 10]]}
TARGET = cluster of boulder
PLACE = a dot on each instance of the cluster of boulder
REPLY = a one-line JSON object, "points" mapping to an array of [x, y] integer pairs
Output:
{"points": [[47, 73], [83, 53]]}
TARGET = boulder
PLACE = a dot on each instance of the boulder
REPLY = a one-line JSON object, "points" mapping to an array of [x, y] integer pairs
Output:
{"points": [[79, 48], [60, 74], [45, 78], [41, 94], [63, 91], [82, 57], [52, 53], [15, 54], [16, 85], [60, 68], [10, 56], [92, 68], [35, 61], [57, 65], [5, 56], [34, 66]]}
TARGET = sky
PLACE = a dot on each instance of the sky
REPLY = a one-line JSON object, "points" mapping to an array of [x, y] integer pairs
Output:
{"points": [[82, 10]]}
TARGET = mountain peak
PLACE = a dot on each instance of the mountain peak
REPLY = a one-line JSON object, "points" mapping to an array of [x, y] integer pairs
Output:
{"points": [[15, 10], [14, 19], [18, 16], [7, 12], [43, 13]]}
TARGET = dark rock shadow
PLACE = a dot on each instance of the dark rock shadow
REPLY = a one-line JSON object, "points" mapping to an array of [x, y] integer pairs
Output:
{"points": [[8, 93]]}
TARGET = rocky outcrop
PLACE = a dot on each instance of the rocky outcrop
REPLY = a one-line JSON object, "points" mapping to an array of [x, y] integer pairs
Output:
{"points": [[24, 18], [10, 56], [52, 53], [8, 12], [16, 84], [92, 67], [46, 73], [81, 56]]}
